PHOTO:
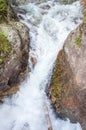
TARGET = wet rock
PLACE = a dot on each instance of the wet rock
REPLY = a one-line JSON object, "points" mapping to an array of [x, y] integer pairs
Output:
{"points": [[18, 2], [66, 1], [9, 91], [34, 61], [83, 2], [68, 86], [26, 126], [15, 64], [45, 7]]}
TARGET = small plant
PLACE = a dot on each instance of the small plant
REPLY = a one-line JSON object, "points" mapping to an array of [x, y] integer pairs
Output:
{"points": [[1, 60], [3, 10], [5, 47], [84, 12], [78, 41]]}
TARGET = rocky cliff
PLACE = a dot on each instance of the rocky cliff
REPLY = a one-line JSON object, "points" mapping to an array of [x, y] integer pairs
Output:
{"points": [[14, 48], [68, 86]]}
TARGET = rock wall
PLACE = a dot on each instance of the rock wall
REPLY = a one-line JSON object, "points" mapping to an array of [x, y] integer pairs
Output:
{"points": [[68, 86], [13, 65]]}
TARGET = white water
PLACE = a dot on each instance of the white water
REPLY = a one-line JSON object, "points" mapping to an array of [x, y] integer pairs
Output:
{"points": [[48, 31]]}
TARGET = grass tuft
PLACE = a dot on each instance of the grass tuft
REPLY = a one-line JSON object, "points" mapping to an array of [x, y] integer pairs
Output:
{"points": [[3, 10], [78, 41], [5, 47]]}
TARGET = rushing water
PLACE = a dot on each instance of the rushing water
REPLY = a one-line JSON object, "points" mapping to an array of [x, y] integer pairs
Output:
{"points": [[49, 24]]}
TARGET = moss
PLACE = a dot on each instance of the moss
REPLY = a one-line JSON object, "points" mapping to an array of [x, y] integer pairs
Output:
{"points": [[66, 1], [78, 41], [3, 10], [61, 80], [5, 47], [1, 59], [84, 12], [56, 88]]}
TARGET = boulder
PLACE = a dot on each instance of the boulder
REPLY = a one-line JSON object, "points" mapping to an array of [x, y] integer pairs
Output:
{"points": [[18, 2], [68, 86], [66, 1], [15, 64], [83, 2]]}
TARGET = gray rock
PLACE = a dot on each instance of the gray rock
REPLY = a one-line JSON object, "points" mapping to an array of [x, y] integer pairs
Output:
{"points": [[68, 87], [66, 1], [18, 2], [15, 65]]}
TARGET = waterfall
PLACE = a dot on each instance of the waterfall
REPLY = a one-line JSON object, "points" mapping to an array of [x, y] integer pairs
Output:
{"points": [[49, 23]]}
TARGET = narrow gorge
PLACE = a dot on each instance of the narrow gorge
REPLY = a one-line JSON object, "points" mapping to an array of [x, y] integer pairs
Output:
{"points": [[42, 69]]}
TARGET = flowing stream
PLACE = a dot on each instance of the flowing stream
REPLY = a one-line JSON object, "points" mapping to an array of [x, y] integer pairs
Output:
{"points": [[49, 23]]}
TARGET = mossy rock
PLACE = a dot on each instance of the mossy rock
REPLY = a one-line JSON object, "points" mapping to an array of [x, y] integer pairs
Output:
{"points": [[67, 1], [56, 88], [60, 80], [5, 47], [3, 10], [78, 41]]}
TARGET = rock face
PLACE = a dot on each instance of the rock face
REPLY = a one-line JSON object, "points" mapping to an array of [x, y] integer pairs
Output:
{"points": [[14, 66], [68, 87], [18, 2], [83, 2]]}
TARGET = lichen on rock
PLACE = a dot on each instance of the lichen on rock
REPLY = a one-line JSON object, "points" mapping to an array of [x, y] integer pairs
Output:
{"points": [[68, 86], [66, 1], [5, 47], [83, 3], [14, 49], [15, 41]]}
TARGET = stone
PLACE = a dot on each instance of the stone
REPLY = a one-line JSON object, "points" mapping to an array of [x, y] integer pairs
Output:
{"points": [[66, 1], [18, 2], [68, 86], [15, 65], [34, 61], [83, 2]]}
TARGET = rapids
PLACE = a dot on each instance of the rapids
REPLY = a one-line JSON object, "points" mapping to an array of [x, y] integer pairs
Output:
{"points": [[49, 24]]}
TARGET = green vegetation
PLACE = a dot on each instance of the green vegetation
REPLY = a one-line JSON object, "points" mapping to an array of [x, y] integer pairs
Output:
{"points": [[56, 88], [60, 81], [5, 47], [84, 12], [3, 10], [78, 41]]}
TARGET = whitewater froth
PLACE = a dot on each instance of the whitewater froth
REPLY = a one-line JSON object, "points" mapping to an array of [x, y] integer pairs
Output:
{"points": [[48, 31]]}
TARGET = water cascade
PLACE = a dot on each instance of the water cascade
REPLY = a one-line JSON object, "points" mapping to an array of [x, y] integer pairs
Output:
{"points": [[49, 23]]}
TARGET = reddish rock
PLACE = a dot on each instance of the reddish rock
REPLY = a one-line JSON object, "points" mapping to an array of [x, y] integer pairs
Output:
{"points": [[68, 86], [83, 2], [33, 60]]}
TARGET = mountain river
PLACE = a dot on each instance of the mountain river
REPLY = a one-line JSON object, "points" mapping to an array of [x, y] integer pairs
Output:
{"points": [[49, 23]]}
